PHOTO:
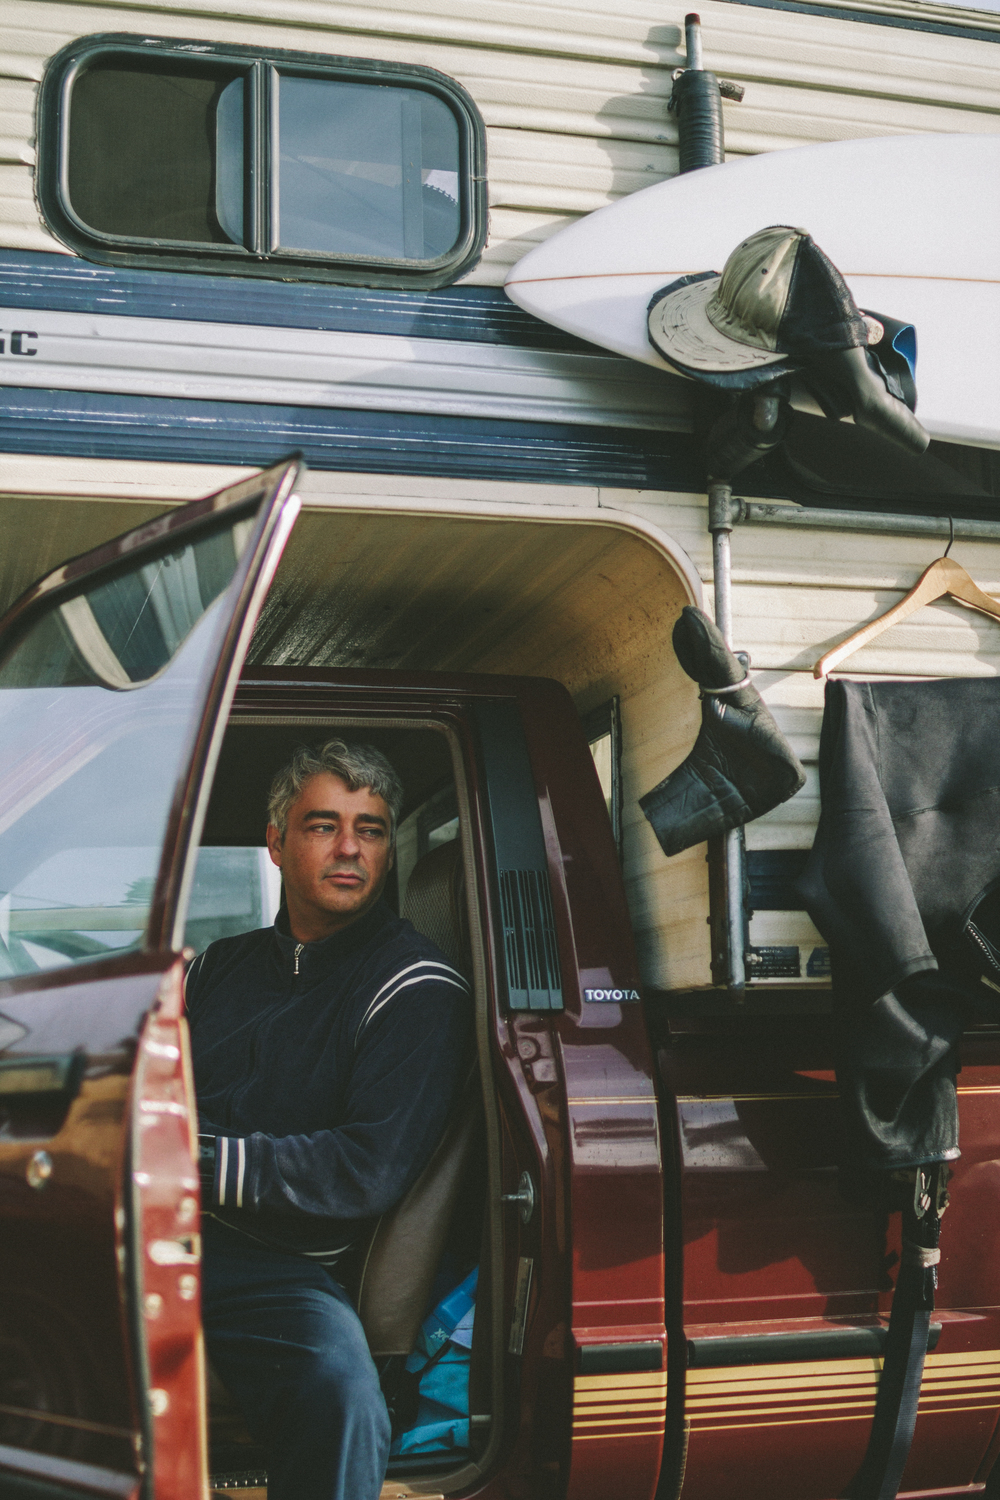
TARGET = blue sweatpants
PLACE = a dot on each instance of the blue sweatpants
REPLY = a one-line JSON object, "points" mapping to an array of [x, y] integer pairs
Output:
{"points": [[290, 1349]]}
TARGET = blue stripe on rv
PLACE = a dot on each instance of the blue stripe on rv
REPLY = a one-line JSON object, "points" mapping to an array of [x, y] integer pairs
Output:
{"points": [[474, 314], [92, 425]]}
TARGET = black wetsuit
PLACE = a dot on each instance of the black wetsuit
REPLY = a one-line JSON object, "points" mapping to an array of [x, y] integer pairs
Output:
{"points": [[907, 849]]}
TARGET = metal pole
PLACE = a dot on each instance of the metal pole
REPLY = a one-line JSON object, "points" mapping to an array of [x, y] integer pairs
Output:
{"points": [[722, 559], [720, 524], [692, 41], [696, 99], [809, 518]]}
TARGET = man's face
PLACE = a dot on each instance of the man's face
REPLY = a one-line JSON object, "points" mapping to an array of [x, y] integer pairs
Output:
{"points": [[334, 857]]}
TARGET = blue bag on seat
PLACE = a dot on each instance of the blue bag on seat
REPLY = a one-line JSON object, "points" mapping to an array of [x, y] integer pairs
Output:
{"points": [[441, 1363]]}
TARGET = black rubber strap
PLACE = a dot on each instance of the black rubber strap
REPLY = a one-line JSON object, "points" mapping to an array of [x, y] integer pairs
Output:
{"points": [[896, 1406], [734, 687], [902, 1369]]}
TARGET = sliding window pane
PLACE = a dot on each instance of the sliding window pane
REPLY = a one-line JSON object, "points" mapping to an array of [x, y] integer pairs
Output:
{"points": [[229, 134], [143, 149], [366, 170]]}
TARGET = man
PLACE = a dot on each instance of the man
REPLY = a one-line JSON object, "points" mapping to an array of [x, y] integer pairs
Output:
{"points": [[327, 1052]]}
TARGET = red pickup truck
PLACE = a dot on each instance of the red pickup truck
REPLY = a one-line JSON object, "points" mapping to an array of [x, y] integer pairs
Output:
{"points": [[675, 1297]]}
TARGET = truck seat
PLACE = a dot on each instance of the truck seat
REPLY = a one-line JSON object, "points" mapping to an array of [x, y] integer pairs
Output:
{"points": [[396, 1267], [435, 902]]}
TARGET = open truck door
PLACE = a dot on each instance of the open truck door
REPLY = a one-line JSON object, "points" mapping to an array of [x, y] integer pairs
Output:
{"points": [[575, 1047], [116, 675]]}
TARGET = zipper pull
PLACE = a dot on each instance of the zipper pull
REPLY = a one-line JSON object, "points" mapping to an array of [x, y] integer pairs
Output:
{"points": [[298, 950]]}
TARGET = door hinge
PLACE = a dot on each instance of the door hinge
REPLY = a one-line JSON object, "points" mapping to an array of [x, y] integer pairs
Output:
{"points": [[522, 1288]]}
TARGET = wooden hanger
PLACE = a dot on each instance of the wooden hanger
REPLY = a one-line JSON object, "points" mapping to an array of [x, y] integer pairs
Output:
{"points": [[944, 577]]}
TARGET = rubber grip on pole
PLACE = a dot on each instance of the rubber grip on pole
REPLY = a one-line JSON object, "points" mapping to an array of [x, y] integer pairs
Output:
{"points": [[697, 102]]}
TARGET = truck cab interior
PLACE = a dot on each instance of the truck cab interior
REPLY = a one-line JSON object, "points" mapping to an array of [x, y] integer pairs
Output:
{"points": [[441, 1230]]}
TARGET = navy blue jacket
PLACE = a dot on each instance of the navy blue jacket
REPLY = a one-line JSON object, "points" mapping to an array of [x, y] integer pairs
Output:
{"points": [[326, 1072]]}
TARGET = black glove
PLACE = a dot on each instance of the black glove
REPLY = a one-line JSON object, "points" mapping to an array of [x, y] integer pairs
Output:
{"points": [[845, 384], [741, 765]]}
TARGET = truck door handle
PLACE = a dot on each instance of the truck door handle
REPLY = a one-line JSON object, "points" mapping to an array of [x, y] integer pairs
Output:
{"points": [[32, 1080], [180, 1252]]}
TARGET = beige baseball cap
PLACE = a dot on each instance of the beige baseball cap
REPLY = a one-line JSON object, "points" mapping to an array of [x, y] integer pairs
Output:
{"points": [[779, 303]]}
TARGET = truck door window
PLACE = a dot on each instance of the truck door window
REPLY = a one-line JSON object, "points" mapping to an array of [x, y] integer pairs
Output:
{"points": [[434, 823], [235, 890], [94, 722], [437, 821]]}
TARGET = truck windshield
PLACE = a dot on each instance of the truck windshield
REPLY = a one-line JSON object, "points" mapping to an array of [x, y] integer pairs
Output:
{"points": [[97, 699]]}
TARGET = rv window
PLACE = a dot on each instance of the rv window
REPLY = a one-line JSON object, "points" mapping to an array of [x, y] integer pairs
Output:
{"points": [[282, 164], [141, 162], [364, 169]]}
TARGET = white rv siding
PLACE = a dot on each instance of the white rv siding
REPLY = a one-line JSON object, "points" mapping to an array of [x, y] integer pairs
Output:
{"points": [[574, 98], [575, 105], [795, 594], [304, 367]]}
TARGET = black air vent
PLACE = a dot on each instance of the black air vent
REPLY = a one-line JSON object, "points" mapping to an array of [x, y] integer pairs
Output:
{"points": [[525, 923], [534, 981]]}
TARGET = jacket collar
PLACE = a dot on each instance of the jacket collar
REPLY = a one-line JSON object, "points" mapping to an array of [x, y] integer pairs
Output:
{"points": [[322, 954]]}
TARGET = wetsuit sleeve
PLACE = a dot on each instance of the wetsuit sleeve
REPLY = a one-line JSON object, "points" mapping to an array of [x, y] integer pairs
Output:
{"points": [[411, 1050]]}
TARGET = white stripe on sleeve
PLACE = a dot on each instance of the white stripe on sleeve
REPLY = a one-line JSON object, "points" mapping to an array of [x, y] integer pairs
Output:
{"points": [[223, 1168], [458, 982], [423, 963]]}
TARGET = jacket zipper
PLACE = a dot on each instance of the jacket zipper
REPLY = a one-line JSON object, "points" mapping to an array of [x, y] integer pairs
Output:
{"points": [[262, 1019]]}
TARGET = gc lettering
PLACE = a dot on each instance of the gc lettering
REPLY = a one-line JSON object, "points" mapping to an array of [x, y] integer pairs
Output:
{"points": [[19, 342]]}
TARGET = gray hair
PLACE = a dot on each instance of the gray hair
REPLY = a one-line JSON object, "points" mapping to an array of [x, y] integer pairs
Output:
{"points": [[360, 766]]}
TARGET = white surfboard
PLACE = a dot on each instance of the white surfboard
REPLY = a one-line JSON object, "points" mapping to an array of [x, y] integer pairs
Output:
{"points": [[913, 222]]}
